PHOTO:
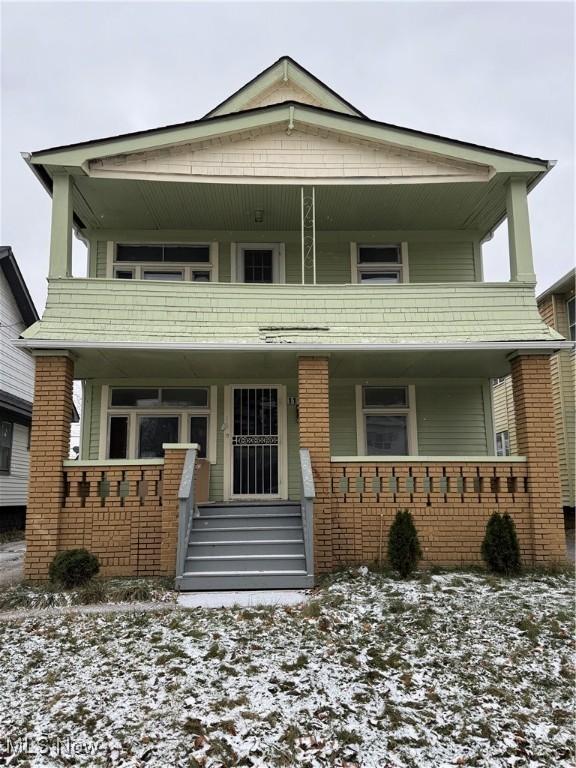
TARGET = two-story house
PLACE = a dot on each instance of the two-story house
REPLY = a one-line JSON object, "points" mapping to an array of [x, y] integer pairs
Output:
{"points": [[284, 309], [17, 312]]}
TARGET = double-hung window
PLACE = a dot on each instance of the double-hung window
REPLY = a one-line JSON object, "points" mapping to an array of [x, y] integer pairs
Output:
{"points": [[379, 264], [386, 425], [6, 430], [142, 419], [195, 262]]}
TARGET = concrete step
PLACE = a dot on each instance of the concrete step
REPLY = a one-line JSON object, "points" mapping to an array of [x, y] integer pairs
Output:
{"points": [[243, 533], [239, 548], [246, 521], [248, 508], [200, 582], [244, 563]]}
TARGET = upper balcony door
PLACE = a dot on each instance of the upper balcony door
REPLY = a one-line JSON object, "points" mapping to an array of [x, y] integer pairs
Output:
{"points": [[255, 443], [258, 263]]}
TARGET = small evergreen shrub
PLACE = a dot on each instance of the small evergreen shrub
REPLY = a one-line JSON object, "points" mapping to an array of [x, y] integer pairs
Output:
{"points": [[403, 545], [73, 568], [500, 550]]}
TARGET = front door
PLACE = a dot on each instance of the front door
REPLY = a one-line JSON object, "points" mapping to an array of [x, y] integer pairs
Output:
{"points": [[256, 436]]}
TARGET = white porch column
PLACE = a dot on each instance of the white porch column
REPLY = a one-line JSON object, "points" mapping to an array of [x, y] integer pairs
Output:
{"points": [[61, 231], [519, 241]]}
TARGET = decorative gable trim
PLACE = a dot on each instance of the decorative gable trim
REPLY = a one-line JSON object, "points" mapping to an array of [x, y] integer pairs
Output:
{"points": [[289, 156]]}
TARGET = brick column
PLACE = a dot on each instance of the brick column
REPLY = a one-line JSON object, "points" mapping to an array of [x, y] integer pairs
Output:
{"points": [[536, 436], [49, 446], [314, 428], [173, 465]]}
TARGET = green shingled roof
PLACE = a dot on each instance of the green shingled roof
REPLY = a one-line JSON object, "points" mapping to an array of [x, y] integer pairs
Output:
{"points": [[104, 310]]}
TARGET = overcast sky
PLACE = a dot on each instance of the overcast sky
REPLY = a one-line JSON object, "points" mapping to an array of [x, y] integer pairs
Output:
{"points": [[498, 74]]}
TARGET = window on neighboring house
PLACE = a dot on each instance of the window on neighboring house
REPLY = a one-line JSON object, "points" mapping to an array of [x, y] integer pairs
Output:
{"points": [[386, 420], [142, 419], [570, 310], [258, 263], [6, 430], [379, 264], [503, 443], [193, 262]]}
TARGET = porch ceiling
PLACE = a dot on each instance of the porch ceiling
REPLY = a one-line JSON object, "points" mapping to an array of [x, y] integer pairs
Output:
{"points": [[153, 205], [277, 365]]}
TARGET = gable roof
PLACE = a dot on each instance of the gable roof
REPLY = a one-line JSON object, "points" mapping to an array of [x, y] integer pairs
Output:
{"points": [[565, 284], [283, 71], [19, 289]]}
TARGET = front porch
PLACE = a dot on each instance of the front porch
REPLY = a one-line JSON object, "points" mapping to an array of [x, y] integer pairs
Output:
{"points": [[138, 512]]}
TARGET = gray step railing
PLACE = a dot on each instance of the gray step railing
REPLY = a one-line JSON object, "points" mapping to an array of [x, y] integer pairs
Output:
{"points": [[307, 501], [186, 510]]}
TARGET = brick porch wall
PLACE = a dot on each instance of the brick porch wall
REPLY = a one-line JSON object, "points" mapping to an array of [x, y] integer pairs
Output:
{"points": [[127, 515], [536, 439], [49, 446], [314, 429]]}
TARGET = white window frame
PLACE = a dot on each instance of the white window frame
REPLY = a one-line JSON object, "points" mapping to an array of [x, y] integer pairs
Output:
{"points": [[138, 268], [134, 415], [237, 260], [402, 267], [409, 411], [503, 443]]}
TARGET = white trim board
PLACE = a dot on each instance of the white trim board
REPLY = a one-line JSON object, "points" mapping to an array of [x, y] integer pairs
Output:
{"points": [[427, 459]]}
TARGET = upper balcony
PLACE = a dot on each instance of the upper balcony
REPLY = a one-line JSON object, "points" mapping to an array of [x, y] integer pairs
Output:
{"points": [[311, 188]]}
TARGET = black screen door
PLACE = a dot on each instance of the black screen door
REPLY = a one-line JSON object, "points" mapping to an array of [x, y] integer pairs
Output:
{"points": [[255, 441]]}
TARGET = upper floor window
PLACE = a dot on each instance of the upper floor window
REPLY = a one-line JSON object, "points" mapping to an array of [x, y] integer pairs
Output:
{"points": [[258, 263], [384, 264], [570, 309], [155, 261]]}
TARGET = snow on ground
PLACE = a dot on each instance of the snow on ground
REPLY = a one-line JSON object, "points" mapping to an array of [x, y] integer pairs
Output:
{"points": [[11, 561], [446, 670]]}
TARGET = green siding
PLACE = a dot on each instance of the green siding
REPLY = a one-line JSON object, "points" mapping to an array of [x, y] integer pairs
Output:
{"points": [[450, 418], [91, 412], [123, 311], [441, 262], [432, 257], [100, 257]]}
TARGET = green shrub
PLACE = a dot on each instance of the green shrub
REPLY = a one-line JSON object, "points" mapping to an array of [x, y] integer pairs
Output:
{"points": [[73, 568], [500, 550], [403, 545]]}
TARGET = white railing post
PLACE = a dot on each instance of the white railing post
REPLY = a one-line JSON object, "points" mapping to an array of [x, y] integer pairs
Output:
{"points": [[186, 507], [307, 504]]}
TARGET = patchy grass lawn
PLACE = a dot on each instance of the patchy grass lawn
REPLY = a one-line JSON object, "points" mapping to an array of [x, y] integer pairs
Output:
{"points": [[447, 670], [12, 534], [46, 595]]}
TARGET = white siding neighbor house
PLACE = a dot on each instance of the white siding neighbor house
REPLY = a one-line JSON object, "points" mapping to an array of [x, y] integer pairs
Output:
{"points": [[17, 312]]}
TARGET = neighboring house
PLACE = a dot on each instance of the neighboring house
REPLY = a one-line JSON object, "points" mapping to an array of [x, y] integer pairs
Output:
{"points": [[297, 290], [556, 305], [17, 312]]}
